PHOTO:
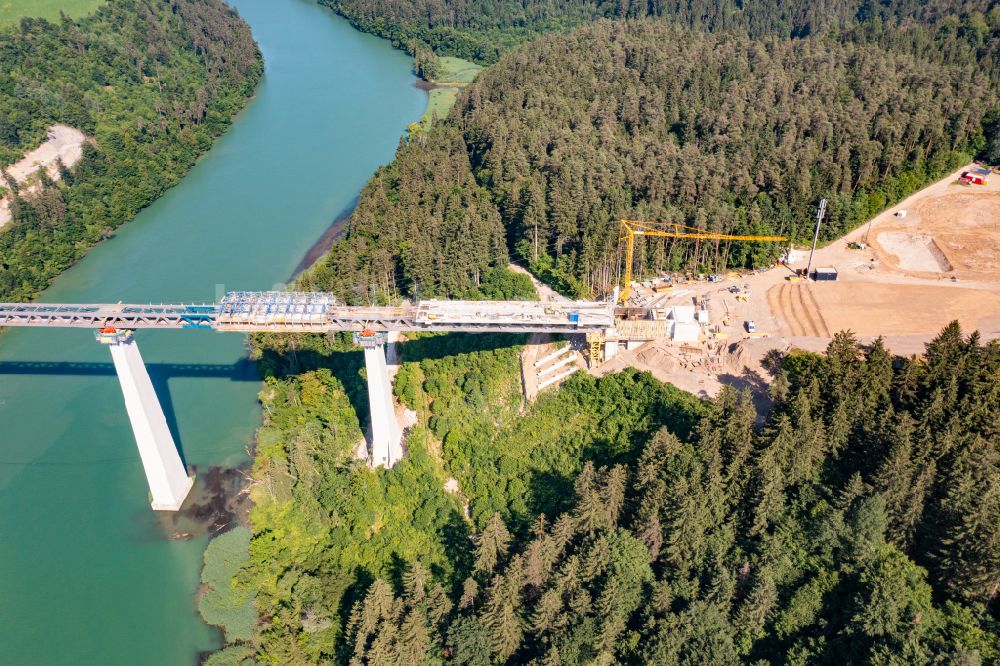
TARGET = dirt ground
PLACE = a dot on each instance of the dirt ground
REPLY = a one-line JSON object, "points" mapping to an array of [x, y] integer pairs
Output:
{"points": [[63, 142], [939, 263], [957, 233]]}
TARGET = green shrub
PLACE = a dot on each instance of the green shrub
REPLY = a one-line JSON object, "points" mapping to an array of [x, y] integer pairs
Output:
{"points": [[224, 604]]}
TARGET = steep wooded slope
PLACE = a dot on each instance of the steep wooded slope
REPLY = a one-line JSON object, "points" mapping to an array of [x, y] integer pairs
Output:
{"points": [[640, 119], [483, 29], [153, 81]]}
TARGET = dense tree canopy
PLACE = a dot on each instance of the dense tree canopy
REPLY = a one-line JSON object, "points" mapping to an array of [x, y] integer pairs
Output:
{"points": [[549, 147], [621, 521], [483, 29], [152, 81]]}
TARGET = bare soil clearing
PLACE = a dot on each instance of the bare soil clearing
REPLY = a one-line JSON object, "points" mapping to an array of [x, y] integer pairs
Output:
{"points": [[963, 227], [938, 263], [896, 309], [64, 142]]}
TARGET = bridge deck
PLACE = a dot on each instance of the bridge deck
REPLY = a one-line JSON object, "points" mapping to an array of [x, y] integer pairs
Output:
{"points": [[318, 312]]}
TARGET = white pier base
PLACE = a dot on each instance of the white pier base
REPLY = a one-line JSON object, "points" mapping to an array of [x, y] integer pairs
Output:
{"points": [[168, 481], [386, 449]]}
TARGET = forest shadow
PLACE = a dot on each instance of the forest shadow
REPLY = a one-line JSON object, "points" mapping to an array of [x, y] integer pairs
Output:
{"points": [[551, 493], [243, 370], [757, 384], [452, 344], [347, 365], [456, 534]]}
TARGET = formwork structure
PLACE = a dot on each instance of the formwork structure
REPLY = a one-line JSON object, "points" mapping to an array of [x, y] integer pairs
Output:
{"points": [[275, 307]]}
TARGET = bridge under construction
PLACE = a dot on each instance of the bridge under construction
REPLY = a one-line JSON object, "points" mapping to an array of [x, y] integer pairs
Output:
{"points": [[293, 312], [604, 325], [317, 312]]}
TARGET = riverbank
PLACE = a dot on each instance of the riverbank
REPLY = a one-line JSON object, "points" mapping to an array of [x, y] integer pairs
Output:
{"points": [[91, 574], [443, 91]]}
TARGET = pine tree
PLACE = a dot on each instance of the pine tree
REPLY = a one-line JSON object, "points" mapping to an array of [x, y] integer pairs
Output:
{"points": [[469, 591], [967, 552], [500, 616], [613, 493], [901, 484], [368, 613], [491, 545]]}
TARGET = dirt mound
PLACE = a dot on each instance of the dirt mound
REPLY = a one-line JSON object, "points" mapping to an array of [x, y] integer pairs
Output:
{"points": [[657, 355]]}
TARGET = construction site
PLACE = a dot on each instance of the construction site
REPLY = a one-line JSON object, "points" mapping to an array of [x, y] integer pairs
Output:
{"points": [[929, 260]]}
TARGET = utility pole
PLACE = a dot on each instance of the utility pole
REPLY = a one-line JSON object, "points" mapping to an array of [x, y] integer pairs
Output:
{"points": [[819, 218], [868, 230]]}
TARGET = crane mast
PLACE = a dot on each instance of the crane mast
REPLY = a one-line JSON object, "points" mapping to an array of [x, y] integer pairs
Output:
{"points": [[629, 229]]}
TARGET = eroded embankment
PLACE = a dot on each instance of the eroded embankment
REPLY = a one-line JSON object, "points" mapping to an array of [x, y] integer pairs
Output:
{"points": [[64, 143]]}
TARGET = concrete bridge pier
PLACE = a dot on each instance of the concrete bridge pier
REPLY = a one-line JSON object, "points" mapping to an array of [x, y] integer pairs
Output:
{"points": [[386, 449], [168, 481]]}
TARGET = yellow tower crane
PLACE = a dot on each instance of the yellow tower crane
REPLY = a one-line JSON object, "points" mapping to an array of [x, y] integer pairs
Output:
{"points": [[632, 228]]}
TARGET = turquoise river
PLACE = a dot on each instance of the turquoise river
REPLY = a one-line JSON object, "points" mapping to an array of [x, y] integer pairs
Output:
{"points": [[88, 573]]}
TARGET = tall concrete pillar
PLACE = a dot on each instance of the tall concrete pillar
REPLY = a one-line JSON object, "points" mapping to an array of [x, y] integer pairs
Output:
{"points": [[386, 449], [168, 480]]}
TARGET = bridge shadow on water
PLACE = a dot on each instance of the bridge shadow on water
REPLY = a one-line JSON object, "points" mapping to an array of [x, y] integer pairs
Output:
{"points": [[243, 370], [346, 365]]}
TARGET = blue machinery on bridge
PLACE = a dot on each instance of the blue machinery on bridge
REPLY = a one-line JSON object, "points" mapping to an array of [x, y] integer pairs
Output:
{"points": [[294, 312]]}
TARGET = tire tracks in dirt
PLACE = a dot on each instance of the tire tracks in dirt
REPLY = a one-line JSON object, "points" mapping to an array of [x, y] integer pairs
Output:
{"points": [[822, 328], [799, 311], [809, 324]]}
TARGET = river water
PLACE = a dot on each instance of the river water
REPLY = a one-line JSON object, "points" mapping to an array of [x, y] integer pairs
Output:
{"points": [[87, 572]]}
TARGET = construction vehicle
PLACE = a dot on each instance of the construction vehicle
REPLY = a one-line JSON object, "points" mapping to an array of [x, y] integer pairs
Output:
{"points": [[629, 229]]}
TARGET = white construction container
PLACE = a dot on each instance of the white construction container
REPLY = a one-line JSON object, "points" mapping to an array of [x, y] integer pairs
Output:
{"points": [[682, 313], [685, 332]]}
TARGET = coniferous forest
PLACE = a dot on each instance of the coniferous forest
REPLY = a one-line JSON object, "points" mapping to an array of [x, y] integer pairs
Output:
{"points": [[621, 520], [154, 83], [647, 120]]}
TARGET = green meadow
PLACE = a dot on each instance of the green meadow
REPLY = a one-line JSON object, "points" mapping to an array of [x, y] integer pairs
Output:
{"points": [[11, 11]]}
